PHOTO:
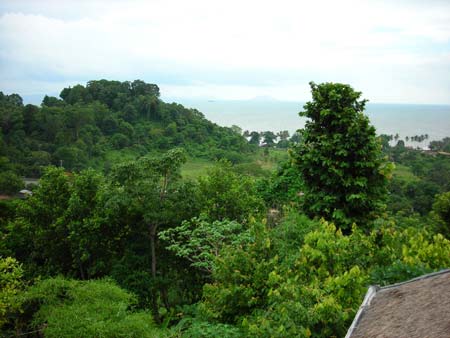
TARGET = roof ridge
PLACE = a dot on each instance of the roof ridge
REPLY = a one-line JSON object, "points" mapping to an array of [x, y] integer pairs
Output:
{"points": [[371, 292], [432, 274]]}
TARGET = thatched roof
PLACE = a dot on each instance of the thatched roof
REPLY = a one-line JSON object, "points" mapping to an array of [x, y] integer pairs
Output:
{"points": [[417, 308]]}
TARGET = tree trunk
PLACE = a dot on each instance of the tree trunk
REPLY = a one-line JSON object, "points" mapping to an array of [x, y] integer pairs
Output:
{"points": [[81, 270], [152, 231], [165, 297]]}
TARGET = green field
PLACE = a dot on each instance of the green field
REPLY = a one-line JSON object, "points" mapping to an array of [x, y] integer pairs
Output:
{"points": [[195, 167], [257, 165], [405, 174]]}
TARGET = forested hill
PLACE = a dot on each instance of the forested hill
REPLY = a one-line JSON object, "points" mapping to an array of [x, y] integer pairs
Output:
{"points": [[87, 123]]}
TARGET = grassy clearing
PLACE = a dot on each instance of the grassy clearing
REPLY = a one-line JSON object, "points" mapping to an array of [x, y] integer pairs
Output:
{"points": [[271, 161], [196, 167], [405, 174], [256, 165]]}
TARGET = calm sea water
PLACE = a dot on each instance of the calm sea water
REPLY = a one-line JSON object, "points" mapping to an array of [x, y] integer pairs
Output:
{"points": [[404, 119]]}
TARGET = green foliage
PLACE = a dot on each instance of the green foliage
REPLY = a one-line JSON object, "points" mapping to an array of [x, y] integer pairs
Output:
{"points": [[284, 187], [69, 308], [191, 328], [269, 138], [240, 278], [200, 241], [11, 285], [10, 183], [339, 158], [194, 168], [86, 225], [83, 233], [40, 221], [441, 207], [144, 197], [147, 189], [131, 271], [251, 169], [406, 252], [227, 195], [255, 138], [418, 177], [319, 293], [59, 228], [305, 278], [443, 145], [102, 116], [163, 237], [289, 235]]}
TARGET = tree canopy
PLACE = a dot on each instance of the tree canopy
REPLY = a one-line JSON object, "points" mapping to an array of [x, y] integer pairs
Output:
{"points": [[339, 158], [87, 123], [142, 244]]}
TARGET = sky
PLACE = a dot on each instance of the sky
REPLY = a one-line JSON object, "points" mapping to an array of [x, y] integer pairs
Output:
{"points": [[392, 51]]}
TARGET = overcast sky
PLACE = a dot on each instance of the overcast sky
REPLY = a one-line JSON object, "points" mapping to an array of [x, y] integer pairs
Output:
{"points": [[392, 51]]}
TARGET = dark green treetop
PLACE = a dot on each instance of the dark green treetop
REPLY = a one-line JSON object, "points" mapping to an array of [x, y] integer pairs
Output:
{"points": [[339, 158]]}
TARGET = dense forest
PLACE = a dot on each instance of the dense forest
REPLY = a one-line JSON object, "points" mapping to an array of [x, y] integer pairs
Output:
{"points": [[116, 241], [82, 128]]}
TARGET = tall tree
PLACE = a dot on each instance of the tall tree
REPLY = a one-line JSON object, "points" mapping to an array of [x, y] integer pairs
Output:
{"points": [[441, 207], [227, 195], [255, 138], [340, 158], [269, 138], [145, 198]]}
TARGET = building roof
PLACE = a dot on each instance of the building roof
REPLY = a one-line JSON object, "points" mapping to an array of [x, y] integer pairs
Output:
{"points": [[416, 308]]}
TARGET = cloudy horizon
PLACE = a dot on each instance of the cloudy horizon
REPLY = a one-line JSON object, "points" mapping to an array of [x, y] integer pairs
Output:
{"points": [[393, 53]]}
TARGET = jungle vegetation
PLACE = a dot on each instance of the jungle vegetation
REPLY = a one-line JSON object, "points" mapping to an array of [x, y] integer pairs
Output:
{"points": [[119, 240]]}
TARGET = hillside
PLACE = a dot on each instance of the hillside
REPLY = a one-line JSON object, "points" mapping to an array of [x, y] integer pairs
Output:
{"points": [[104, 122]]}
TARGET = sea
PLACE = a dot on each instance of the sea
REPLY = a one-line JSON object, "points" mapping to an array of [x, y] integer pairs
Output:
{"points": [[260, 115]]}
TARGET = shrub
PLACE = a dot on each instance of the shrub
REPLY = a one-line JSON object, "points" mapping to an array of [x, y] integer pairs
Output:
{"points": [[96, 308]]}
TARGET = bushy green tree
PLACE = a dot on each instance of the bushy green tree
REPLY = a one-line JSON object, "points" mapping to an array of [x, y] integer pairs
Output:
{"points": [[227, 195], [306, 278], [59, 228], [255, 138], [269, 138], [38, 236], [284, 187], [70, 308], [143, 198], [239, 284], [10, 183], [194, 328], [339, 158], [441, 208], [200, 241], [11, 285]]}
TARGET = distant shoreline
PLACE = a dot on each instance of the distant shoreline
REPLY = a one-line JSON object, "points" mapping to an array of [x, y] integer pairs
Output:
{"points": [[404, 119]]}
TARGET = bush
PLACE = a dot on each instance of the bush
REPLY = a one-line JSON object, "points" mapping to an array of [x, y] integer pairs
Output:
{"points": [[10, 183], [200, 329], [441, 208], [305, 278], [119, 141], [10, 285], [227, 195], [97, 308]]}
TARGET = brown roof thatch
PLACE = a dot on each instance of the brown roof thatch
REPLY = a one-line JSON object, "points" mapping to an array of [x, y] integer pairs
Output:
{"points": [[417, 308]]}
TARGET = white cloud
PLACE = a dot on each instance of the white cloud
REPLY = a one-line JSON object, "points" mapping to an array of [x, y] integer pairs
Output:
{"points": [[373, 45]]}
